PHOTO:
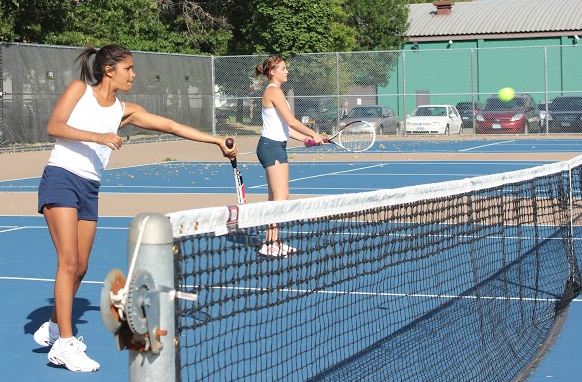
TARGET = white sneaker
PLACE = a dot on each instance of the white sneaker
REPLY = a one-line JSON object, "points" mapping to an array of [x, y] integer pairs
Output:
{"points": [[68, 352], [276, 249], [47, 334]]}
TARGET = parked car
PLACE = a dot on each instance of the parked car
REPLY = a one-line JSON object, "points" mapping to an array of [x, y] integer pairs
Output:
{"points": [[382, 118], [543, 107], [325, 122], [468, 111], [434, 119], [518, 116], [565, 114]]}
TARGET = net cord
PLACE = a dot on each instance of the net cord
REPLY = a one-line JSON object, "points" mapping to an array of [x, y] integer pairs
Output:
{"points": [[214, 220]]}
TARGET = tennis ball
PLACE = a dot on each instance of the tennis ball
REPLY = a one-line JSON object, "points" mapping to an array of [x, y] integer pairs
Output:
{"points": [[506, 94]]}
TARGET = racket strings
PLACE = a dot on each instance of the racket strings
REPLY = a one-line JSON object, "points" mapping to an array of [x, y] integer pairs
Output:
{"points": [[356, 137]]}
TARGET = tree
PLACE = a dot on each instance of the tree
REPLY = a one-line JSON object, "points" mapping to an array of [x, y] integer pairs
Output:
{"points": [[134, 24], [289, 27], [203, 22], [32, 20], [381, 24], [6, 25], [178, 26]]}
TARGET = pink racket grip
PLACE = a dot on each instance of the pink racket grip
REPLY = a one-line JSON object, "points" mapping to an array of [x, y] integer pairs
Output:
{"points": [[308, 142]]}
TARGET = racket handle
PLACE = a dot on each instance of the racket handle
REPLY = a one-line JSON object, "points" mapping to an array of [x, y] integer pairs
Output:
{"points": [[310, 142], [229, 143]]}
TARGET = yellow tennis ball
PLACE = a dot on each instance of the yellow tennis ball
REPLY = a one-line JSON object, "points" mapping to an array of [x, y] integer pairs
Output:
{"points": [[506, 94]]}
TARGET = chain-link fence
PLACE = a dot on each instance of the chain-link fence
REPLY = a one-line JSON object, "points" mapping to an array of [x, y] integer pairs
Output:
{"points": [[386, 88], [222, 95], [34, 76]]}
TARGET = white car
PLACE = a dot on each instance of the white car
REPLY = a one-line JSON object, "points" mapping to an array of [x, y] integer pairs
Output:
{"points": [[434, 119]]}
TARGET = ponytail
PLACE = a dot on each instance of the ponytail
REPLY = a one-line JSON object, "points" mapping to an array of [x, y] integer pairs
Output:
{"points": [[86, 67], [109, 55]]}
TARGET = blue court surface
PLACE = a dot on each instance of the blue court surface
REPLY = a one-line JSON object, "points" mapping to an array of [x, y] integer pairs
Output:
{"points": [[476, 145], [27, 263], [306, 178]]}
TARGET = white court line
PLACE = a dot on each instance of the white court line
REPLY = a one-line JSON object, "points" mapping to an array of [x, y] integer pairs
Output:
{"points": [[333, 292], [409, 174], [45, 227], [12, 229], [328, 173], [389, 294], [490, 144], [12, 278], [126, 186], [178, 187]]}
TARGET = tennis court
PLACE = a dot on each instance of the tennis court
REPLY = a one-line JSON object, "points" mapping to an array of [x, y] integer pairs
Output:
{"points": [[306, 325]]}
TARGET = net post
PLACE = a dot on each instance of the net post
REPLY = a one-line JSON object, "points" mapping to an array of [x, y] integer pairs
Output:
{"points": [[155, 256]]}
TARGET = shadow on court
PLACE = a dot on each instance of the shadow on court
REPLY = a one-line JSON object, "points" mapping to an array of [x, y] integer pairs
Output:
{"points": [[38, 316]]}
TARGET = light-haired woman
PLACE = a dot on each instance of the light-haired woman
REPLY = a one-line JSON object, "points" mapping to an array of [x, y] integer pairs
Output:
{"points": [[279, 124]]}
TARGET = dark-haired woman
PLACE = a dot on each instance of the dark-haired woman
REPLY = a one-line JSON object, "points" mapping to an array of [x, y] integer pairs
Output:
{"points": [[84, 122], [279, 124]]}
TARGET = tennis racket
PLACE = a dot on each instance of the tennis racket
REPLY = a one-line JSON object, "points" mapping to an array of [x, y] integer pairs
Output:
{"points": [[355, 137], [238, 180]]}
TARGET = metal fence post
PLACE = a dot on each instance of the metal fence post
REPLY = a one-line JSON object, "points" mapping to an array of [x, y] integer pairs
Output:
{"points": [[1, 97], [473, 75], [404, 91], [213, 93], [155, 256], [337, 87], [546, 88]]}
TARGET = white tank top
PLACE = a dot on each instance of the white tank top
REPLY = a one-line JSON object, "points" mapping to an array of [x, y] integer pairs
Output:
{"points": [[87, 159], [274, 127]]}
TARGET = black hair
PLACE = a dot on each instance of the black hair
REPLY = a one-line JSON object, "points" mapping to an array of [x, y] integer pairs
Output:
{"points": [[109, 55]]}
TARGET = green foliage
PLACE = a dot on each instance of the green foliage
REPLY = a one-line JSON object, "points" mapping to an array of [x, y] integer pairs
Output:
{"points": [[32, 20], [6, 26], [134, 24], [297, 26], [137, 24], [210, 26], [381, 24]]}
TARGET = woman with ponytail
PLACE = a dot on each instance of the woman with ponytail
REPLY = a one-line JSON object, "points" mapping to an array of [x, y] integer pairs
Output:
{"points": [[84, 123], [279, 124]]}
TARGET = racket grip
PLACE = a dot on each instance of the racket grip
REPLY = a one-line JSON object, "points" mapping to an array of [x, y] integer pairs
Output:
{"points": [[309, 142], [229, 143]]}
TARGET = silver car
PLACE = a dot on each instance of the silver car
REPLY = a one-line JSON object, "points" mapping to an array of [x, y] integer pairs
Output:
{"points": [[382, 118]]}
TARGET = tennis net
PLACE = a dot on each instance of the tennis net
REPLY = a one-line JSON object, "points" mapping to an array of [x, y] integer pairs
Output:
{"points": [[464, 280]]}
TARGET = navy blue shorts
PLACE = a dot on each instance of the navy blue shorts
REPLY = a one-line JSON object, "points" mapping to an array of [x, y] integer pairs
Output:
{"points": [[61, 188], [270, 151]]}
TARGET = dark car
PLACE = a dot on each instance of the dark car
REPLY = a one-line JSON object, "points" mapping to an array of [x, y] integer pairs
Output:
{"points": [[382, 118], [468, 111], [518, 116], [326, 122], [565, 114], [543, 108]]}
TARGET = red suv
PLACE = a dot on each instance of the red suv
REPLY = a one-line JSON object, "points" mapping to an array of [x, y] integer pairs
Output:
{"points": [[518, 116]]}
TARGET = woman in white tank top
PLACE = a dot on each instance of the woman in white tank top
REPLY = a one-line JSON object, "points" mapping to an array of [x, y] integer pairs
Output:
{"points": [[84, 122], [279, 124]]}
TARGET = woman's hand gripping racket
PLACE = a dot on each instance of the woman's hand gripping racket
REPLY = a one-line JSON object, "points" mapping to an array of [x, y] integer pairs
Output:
{"points": [[355, 137], [238, 180]]}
